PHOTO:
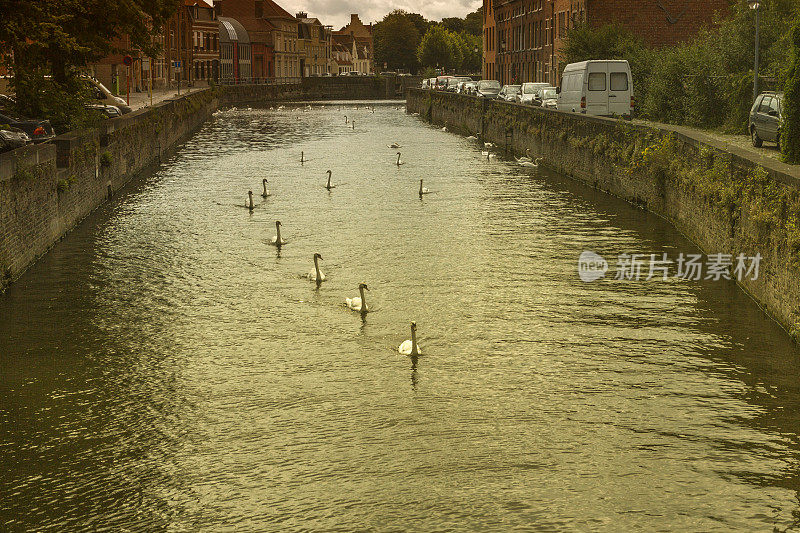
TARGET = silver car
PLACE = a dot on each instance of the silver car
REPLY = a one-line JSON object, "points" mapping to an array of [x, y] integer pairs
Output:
{"points": [[509, 93]]}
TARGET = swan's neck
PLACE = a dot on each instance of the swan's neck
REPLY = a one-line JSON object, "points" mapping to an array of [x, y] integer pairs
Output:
{"points": [[250, 200], [328, 186], [278, 230], [316, 267], [414, 350], [264, 183], [363, 300], [420, 187], [398, 159]]}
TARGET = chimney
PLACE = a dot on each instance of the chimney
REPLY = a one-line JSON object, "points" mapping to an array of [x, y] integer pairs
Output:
{"points": [[354, 18], [302, 15]]}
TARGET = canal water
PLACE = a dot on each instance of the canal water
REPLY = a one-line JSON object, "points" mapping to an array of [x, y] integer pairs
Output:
{"points": [[164, 368]]}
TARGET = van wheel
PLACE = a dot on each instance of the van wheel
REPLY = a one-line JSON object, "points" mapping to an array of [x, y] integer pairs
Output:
{"points": [[757, 142]]}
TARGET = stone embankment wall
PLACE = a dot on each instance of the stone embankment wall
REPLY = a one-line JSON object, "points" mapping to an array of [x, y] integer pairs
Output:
{"points": [[46, 189], [724, 199]]}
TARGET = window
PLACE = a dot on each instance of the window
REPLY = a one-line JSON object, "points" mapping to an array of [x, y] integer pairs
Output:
{"points": [[765, 104], [774, 105], [619, 81], [597, 81]]}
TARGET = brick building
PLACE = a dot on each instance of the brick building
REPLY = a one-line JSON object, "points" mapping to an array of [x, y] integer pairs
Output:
{"points": [[260, 33], [489, 69], [358, 37], [529, 34], [315, 46]]}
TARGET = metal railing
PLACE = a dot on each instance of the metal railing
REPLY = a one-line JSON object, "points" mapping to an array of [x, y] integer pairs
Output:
{"points": [[259, 81]]}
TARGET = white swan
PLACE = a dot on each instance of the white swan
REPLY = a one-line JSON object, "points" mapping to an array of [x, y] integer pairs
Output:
{"points": [[422, 190], [531, 164], [472, 138], [444, 129], [526, 158], [345, 119], [249, 202], [410, 347], [276, 240], [302, 157], [328, 185], [395, 145], [316, 274], [358, 304], [488, 145], [398, 160], [489, 155], [266, 191]]}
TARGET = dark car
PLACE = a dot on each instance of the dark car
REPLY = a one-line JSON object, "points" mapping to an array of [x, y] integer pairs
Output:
{"points": [[38, 130], [12, 138], [108, 111], [766, 119]]}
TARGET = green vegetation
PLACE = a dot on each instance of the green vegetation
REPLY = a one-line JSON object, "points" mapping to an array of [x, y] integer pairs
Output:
{"points": [[49, 41], [406, 41], [790, 134], [703, 83]]}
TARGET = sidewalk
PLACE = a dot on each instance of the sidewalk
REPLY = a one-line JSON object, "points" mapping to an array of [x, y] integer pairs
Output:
{"points": [[142, 99]]}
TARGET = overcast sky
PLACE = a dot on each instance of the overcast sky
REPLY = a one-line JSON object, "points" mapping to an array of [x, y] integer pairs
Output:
{"points": [[337, 12]]}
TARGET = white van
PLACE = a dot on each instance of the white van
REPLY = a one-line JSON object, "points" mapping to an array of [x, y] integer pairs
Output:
{"points": [[603, 88], [103, 96]]}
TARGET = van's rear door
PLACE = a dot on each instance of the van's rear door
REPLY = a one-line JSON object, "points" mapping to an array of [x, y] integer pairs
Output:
{"points": [[596, 88], [619, 89]]}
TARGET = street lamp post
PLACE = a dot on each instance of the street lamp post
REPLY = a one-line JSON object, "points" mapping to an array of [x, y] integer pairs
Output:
{"points": [[755, 5]]}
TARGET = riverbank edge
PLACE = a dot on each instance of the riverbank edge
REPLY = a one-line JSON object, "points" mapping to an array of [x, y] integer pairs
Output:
{"points": [[47, 189], [725, 200]]}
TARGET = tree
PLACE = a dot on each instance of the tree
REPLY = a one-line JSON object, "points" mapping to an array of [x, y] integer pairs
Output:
{"points": [[395, 41], [421, 23], [472, 52], [58, 37], [790, 133], [453, 24], [473, 22], [436, 49]]}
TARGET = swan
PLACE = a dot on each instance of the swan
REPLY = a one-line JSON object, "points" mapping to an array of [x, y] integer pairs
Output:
{"points": [[472, 138], [345, 119], [444, 129], [410, 347], [531, 164], [315, 274], [422, 190], [489, 155], [249, 202], [526, 158], [488, 145], [398, 160], [276, 240], [302, 157], [395, 145], [358, 304], [353, 123], [266, 191], [329, 186], [280, 107]]}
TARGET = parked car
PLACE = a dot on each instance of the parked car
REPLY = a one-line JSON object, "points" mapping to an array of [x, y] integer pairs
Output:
{"points": [[103, 96], [509, 93], [109, 111], [452, 83], [353, 73], [487, 89], [766, 119], [467, 87], [601, 87], [12, 138], [38, 130], [441, 83], [549, 97], [528, 92], [426, 84], [389, 73], [538, 94]]}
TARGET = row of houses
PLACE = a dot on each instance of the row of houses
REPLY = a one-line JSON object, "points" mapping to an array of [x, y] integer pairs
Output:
{"points": [[239, 41], [523, 39]]}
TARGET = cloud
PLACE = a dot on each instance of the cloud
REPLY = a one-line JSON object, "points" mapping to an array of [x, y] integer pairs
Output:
{"points": [[337, 12]]}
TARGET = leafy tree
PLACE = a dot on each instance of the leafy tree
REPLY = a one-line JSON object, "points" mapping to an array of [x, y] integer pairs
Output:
{"points": [[473, 22], [437, 49], [421, 23], [453, 24], [790, 132], [395, 41], [58, 37]]}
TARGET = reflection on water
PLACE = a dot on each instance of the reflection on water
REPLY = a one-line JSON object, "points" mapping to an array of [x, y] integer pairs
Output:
{"points": [[164, 367]]}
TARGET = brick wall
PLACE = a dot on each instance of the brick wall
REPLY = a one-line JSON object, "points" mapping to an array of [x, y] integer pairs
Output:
{"points": [[597, 151], [657, 22]]}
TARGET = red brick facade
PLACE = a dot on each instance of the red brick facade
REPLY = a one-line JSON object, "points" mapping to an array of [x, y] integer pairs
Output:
{"points": [[530, 33]]}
